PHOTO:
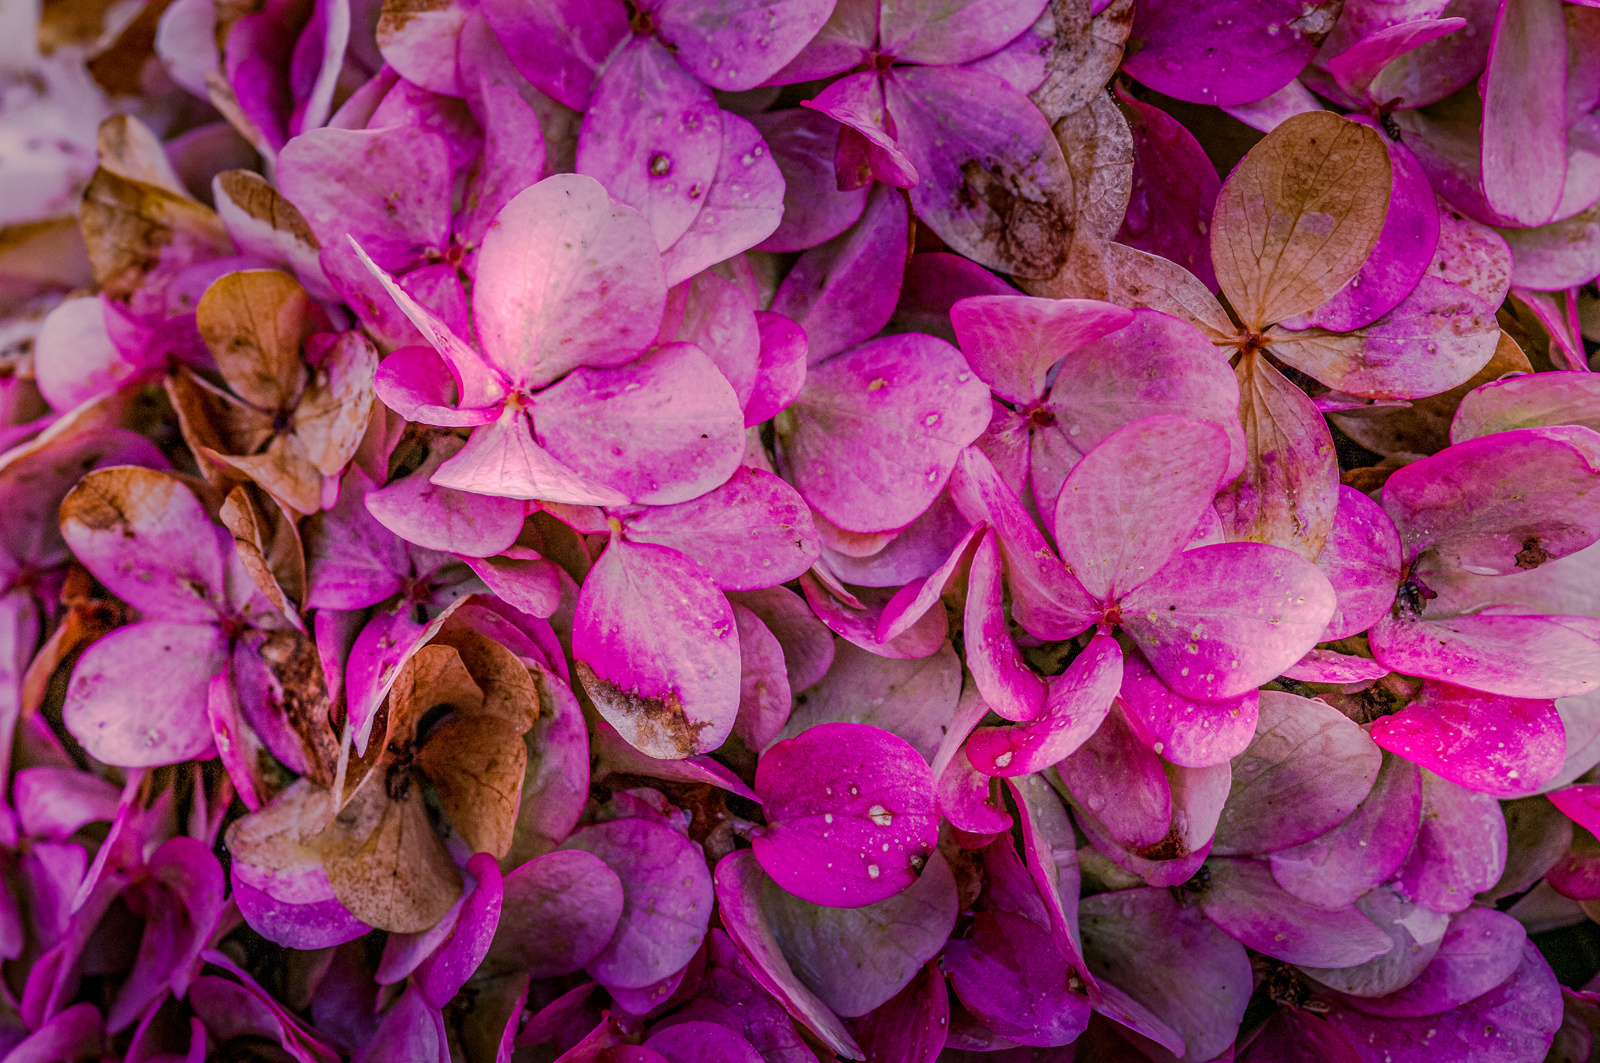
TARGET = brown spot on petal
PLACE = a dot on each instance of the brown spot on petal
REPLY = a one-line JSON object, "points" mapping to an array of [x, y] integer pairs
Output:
{"points": [[1030, 234], [657, 723], [1172, 847], [1532, 555]]}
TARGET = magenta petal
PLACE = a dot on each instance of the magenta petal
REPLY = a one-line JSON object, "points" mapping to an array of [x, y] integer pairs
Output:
{"points": [[416, 382], [742, 207], [781, 371], [1225, 55], [1336, 868], [560, 47], [808, 646], [698, 1042], [1308, 768], [1525, 112], [1356, 67], [950, 118], [559, 912], [843, 291], [1496, 745], [738, 44], [1010, 687], [1514, 656], [966, 797], [1011, 341], [1460, 848], [1077, 702], [1134, 500], [860, 620], [1481, 949], [717, 316], [850, 814], [1174, 191], [1219, 620], [752, 532], [765, 697], [567, 277], [1014, 982], [1512, 1022], [1195, 734], [138, 695], [442, 974], [1361, 558], [856, 101], [879, 428], [803, 143], [439, 518], [666, 900], [664, 428], [1241, 897], [660, 160], [1120, 782], [658, 651]]}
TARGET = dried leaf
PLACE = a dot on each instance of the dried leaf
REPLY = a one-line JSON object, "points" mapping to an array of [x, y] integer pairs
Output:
{"points": [[434, 676], [119, 67], [477, 763], [127, 147], [255, 322], [383, 859], [1299, 216], [1098, 146], [1086, 53], [1116, 273], [508, 688], [252, 535], [1289, 490], [134, 231]]}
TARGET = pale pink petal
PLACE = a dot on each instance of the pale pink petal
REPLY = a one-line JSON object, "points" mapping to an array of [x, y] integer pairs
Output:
{"points": [[440, 518], [1460, 848], [1525, 112], [1514, 656], [913, 699], [808, 648], [1010, 687], [559, 912], [1361, 559], [857, 101], [1076, 704], [742, 207], [502, 459], [1012, 341], [803, 142], [138, 695], [952, 32]]}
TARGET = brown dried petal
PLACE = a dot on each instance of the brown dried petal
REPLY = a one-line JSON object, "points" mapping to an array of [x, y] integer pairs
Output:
{"points": [[433, 676], [331, 416], [477, 764], [119, 67], [1129, 277], [1087, 51], [508, 688], [384, 861], [42, 254], [302, 698], [214, 422], [1098, 146], [138, 234], [283, 472], [127, 147], [255, 322], [1289, 489], [253, 196], [241, 516], [1299, 216]]}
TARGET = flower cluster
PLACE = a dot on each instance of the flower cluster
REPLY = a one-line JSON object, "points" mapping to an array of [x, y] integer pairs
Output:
{"points": [[772, 531]]}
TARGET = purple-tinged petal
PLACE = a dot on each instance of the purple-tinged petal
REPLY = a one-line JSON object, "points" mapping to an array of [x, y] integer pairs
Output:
{"points": [[76, 1032], [1356, 67], [693, 1042], [1325, 666], [781, 371], [994, 184], [1134, 501], [1472, 255], [1480, 950], [877, 430], [54, 802], [1011, 341], [183, 890], [421, 46], [439, 518], [664, 428], [717, 316], [442, 974], [859, 619], [1531, 401], [660, 160], [752, 532], [532, 586], [969, 799], [1361, 559], [352, 561], [1223, 55], [1525, 112], [951, 33], [1495, 745], [916, 598], [410, 1030], [765, 698], [850, 813], [1220, 620], [514, 143], [75, 357], [912, 699], [502, 459], [1194, 734], [1241, 898], [1017, 985], [657, 650], [559, 912], [1077, 702], [1460, 848], [567, 277], [1514, 656], [1556, 256], [742, 207], [803, 143], [1577, 874], [844, 40], [1172, 960], [1116, 777], [559, 47], [1174, 190], [923, 548], [1515, 1021], [933, 283], [1416, 932], [666, 900], [1307, 769], [843, 291], [1049, 851], [416, 382], [138, 695], [740, 886], [913, 1026], [808, 647], [1336, 868], [1010, 687], [1270, 112], [857, 102]]}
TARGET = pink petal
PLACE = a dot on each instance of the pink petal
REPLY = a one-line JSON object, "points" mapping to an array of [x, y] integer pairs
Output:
{"points": [[915, 599], [502, 459], [661, 160], [912, 699], [1120, 781], [666, 900], [742, 207], [782, 367], [1220, 620], [1501, 746], [1325, 666], [803, 142], [1010, 687], [1416, 933], [1076, 704], [952, 119], [717, 316], [138, 695], [559, 47], [1307, 769], [699, 1042], [752, 532], [934, 282], [664, 428], [1194, 734], [1014, 983], [764, 693], [558, 914], [807, 644], [1225, 55], [1525, 112], [1514, 656], [422, 48], [735, 45], [1336, 868], [843, 291], [967, 798], [850, 813], [567, 277], [844, 40], [1241, 898], [439, 518], [1481, 949], [1357, 66], [951, 33], [1011, 341], [514, 144], [1361, 559], [860, 622], [1460, 848], [857, 101], [416, 382], [534, 587], [443, 973], [658, 651]]}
